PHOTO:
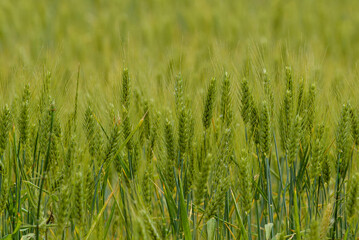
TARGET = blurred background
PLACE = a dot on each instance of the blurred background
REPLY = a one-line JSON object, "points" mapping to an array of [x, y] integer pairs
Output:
{"points": [[157, 39]]}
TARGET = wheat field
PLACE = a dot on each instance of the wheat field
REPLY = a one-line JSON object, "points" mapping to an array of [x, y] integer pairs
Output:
{"points": [[179, 119]]}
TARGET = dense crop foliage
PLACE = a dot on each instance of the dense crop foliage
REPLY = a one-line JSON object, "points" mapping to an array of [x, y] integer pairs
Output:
{"points": [[159, 174], [179, 119]]}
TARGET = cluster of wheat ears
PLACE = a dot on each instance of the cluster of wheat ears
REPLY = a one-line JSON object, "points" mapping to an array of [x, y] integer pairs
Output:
{"points": [[153, 173]]}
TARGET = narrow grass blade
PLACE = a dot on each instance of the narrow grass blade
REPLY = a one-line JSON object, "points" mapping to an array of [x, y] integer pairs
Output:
{"points": [[184, 217], [241, 226], [99, 216]]}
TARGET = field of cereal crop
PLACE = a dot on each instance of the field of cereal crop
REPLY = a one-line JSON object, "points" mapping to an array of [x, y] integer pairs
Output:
{"points": [[179, 119]]}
